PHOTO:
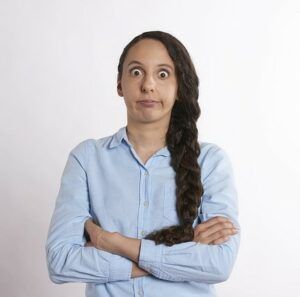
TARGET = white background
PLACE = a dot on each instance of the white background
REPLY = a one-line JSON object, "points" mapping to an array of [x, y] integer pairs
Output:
{"points": [[58, 69]]}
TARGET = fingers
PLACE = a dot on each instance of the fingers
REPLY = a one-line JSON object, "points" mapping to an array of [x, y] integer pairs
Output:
{"points": [[214, 230], [209, 223], [219, 227], [215, 220], [220, 240], [216, 236], [221, 234]]}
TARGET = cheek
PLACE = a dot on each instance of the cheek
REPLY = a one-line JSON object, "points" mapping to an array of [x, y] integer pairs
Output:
{"points": [[170, 94], [130, 87], [170, 89]]}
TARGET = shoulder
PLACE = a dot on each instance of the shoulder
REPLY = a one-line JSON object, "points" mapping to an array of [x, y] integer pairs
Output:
{"points": [[86, 145], [211, 151], [87, 148], [213, 157]]}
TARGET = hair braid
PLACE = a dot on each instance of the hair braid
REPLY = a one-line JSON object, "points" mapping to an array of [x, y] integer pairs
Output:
{"points": [[181, 139]]}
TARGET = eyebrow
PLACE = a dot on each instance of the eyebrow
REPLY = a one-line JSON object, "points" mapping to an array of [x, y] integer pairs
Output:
{"points": [[159, 65]]}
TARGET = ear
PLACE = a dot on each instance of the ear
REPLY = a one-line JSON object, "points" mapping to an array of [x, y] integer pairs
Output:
{"points": [[119, 89]]}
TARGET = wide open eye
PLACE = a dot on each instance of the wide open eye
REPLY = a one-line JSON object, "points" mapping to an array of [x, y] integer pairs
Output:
{"points": [[163, 74], [135, 71]]}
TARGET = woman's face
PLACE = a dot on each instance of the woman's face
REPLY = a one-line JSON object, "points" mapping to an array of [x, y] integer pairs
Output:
{"points": [[148, 74]]}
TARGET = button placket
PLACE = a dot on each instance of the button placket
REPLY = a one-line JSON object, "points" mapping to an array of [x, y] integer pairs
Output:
{"points": [[144, 197]]}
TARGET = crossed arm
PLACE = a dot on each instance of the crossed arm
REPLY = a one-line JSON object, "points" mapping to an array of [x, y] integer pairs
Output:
{"points": [[213, 231], [115, 257], [116, 243]]}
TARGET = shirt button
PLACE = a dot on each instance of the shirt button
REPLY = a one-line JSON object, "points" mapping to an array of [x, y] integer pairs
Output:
{"points": [[140, 293], [146, 173], [146, 203], [143, 233]]}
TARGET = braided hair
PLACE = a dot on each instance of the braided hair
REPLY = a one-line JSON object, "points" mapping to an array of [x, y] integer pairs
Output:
{"points": [[181, 139]]}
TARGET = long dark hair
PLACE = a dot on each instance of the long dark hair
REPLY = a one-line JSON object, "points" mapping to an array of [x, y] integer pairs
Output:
{"points": [[181, 139]]}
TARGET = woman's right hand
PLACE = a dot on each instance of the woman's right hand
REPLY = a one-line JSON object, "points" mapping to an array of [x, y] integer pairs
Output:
{"points": [[215, 230]]}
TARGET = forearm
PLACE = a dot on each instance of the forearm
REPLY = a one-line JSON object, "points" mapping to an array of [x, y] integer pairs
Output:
{"points": [[113, 242], [117, 244], [129, 247], [69, 261], [189, 261], [100, 238]]}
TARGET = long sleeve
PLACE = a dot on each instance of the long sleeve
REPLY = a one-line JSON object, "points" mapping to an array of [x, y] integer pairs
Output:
{"points": [[190, 261], [68, 260]]}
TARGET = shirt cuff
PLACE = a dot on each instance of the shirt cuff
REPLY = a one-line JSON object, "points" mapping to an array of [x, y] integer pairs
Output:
{"points": [[120, 268], [150, 256]]}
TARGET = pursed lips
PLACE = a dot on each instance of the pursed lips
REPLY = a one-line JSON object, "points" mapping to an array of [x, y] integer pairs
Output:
{"points": [[147, 100]]}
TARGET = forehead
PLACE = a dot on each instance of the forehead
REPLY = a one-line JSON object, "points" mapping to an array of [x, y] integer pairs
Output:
{"points": [[148, 52]]}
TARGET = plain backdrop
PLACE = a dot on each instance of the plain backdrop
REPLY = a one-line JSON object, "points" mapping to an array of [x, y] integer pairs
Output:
{"points": [[58, 71]]}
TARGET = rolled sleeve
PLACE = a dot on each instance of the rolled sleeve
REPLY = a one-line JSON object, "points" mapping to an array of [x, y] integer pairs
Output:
{"points": [[150, 256]]}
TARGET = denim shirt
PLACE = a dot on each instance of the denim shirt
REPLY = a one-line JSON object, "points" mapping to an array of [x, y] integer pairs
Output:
{"points": [[105, 180]]}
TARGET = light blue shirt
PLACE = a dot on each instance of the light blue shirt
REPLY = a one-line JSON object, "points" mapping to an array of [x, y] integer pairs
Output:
{"points": [[104, 179]]}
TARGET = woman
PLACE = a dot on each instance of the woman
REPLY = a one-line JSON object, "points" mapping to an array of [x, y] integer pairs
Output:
{"points": [[148, 210]]}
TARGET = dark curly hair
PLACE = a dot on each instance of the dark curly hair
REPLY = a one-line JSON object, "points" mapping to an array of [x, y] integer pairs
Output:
{"points": [[181, 139]]}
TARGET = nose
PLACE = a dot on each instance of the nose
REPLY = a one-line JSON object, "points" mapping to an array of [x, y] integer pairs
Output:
{"points": [[148, 84]]}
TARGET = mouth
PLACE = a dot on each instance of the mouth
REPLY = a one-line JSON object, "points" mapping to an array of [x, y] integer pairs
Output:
{"points": [[147, 103]]}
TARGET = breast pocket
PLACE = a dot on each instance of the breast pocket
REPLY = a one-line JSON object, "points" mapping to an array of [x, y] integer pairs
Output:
{"points": [[169, 207]]}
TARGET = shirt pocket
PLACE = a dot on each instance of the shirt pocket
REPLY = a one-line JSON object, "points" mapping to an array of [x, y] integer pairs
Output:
{"points": [[169, 205]]}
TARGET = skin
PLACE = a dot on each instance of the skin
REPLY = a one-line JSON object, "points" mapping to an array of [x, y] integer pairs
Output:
{"points": [[213, 231], [146, 130], [144, 79]]}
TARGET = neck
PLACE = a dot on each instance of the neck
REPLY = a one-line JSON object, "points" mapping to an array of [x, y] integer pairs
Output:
{"points": [[147, 136]]}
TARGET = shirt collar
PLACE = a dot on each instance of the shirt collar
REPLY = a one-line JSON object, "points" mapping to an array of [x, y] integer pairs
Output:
{"points": [[121, 136]]}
